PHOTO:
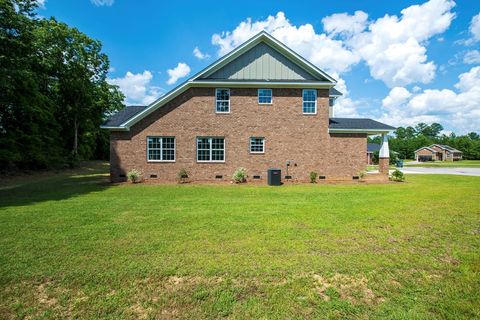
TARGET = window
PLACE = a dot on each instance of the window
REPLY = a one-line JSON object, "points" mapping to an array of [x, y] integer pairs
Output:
{"points": [[257, 145], [211, 149], [309, 105], [222, 102], [265, 96], [161, 148]]}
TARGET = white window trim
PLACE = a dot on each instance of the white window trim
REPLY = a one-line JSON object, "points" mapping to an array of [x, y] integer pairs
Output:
{"points": [[211, 161], [250, 145], [161, 148], [229, 98], [258, 97], [316, 97]]}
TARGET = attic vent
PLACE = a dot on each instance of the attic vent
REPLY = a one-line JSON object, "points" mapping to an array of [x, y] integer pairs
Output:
{"points": [[218, 177], [153, 176], [256, 177]]}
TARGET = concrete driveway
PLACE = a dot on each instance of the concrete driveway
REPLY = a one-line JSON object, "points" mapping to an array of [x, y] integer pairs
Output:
{"points": [[458, 171]]}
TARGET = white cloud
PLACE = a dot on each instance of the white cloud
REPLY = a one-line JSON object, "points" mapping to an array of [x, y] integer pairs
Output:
{"points": [[459, 109], [396, 97], [180, 71], [321, 50], [41, 3], [472, 57], [392, 47], [199, 54], [99, 3], [344, 24], [137, 88], [475, 27]]}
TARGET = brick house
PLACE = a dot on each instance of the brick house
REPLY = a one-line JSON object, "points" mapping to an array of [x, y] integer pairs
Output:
{"points": [[438, 152], [260, 106]]}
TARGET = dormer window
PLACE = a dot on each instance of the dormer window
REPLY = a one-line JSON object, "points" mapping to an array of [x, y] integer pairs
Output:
{"points": [[264, 96], [222, 101], [309, 105]]}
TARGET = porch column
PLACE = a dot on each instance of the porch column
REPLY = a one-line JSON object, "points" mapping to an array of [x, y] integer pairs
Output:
{"points": [[384, 156]]}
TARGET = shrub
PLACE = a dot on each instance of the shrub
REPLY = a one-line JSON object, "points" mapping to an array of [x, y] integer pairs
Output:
{"points": [[397, 175], [313, 177], [183, 175], [240, 175], [134, 175], [362, 174]]}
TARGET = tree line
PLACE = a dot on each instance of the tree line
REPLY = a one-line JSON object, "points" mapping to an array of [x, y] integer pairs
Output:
{"points": [[53, 91], [408, 139]]}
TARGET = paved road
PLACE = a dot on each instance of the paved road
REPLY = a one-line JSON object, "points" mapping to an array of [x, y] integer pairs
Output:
{"points": [[458, 171]]}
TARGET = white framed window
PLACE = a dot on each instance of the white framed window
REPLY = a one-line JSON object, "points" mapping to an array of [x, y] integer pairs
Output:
{"points": [[161, 149], [222, 100], [210, 149], [309, 104], [257, 145], [264, 96]]}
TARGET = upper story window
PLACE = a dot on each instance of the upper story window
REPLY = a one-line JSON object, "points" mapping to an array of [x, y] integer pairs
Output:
{"points": [[257, 145], [265, 96], [309, 105], [161, 149], [222, 100], [210, 149]]}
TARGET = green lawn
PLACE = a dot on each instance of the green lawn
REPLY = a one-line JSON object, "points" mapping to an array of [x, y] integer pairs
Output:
{"points": [[447, 164], [74, 246]]}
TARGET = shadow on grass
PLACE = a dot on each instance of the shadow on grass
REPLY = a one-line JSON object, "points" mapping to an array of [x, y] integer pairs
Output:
{"points": [[54, 186]]}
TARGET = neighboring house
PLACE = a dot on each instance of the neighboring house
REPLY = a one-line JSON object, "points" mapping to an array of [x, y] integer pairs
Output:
{"points": [[260, 106], [438, 152], [371, 148]]}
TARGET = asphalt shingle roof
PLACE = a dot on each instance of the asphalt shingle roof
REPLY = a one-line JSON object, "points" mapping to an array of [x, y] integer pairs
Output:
{"points": [[372, 147], [123, 115], [335, 92], [358, 124]]}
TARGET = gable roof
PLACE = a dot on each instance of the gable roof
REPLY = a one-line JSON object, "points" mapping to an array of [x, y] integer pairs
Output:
{"points": [[344, 125], [445, 147], [428, 148], [123, 115], [322, 79]]}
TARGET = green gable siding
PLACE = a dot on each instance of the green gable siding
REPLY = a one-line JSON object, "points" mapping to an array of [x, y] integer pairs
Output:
{"points": [[262, 62]]}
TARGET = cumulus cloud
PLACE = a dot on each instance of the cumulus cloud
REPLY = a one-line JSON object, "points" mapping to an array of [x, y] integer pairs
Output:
{"points": [[199, 54], [137, 88], [41, 3], [321, 50], [475, 27], [100, 3], [460, 109], [472, 57], [344, 24], [180, 71], [396, 97]]}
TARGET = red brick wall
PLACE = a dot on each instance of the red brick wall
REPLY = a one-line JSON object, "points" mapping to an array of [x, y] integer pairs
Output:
{"points": [[289, 135]]}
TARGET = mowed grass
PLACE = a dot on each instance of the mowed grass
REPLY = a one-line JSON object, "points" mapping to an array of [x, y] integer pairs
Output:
{"points": [[74, 246], [446, 164]]}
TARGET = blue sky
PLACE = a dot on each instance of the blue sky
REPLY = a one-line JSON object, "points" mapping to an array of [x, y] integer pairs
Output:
{"points": [[400, 62]]}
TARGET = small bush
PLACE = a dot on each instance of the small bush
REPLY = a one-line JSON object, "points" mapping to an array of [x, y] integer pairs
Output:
{"points": [[182, 175], [397, 175], [240, 175], [362, 174], [313, 177], [134, 175]]}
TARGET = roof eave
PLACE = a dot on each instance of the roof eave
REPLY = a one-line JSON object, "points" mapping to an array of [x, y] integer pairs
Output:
{"points": [[367, 131], [115, 128], [263, 84]]}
